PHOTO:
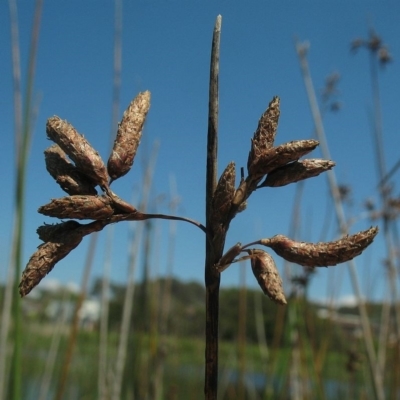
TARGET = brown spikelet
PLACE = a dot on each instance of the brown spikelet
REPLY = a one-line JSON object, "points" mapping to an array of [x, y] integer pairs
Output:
{"points": [[267, 275], [44, 259], [65, 173], [223, 195], [264, 135], [321, 254], [283, 154], [61, 240], [79, 207], [120, 205], [228, 257], [86, 159], [52, 232], [297, 171], [128, 136]]}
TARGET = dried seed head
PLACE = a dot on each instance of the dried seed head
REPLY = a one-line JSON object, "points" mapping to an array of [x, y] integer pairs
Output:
{"points": [[61, 239], [70, 179], [52, 232], [267, 275], [128, 136], [44, 259], [79, 207], [321, 254], [297, 171], [223, 195], [86, 159], [228, 257], [276, 157], [264, 136]]}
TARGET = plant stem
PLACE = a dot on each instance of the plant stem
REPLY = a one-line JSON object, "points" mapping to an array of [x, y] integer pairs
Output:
{"points": [[376, 373], [126, 328], [214, 247], [23, 133], [75, 320]]}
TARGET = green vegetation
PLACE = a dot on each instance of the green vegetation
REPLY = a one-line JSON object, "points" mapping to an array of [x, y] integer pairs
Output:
{"points": [[182, 353]]}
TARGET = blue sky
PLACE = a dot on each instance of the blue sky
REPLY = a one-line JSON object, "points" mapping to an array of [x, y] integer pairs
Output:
{"points": [[166, 49]]}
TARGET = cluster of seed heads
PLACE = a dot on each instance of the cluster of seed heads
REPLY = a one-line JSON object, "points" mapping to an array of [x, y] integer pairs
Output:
{"points": [[79, 169], [271, 166]]}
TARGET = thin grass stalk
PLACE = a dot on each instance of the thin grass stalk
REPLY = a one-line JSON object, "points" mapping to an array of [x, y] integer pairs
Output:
{"points": [[305, 347], [295, 219], [23, 133], [126, 314], [212, 277], [376, 373], [296, 389], [105, 284], [128, 300], [261, 335], [310, 356], [102, 383], [387, 223], [53, 351], [155, 392], [145, 295], [75, 319], [166, 296], [9, 289], [274, 353], [242, 323]]}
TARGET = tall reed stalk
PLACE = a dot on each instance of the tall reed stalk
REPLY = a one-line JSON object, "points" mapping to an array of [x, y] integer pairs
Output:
{"points": [[375, 370], [213, 250], [72, 339], [125, 329], [53, 353], [379, 55], [23, 122], [103, 387]]}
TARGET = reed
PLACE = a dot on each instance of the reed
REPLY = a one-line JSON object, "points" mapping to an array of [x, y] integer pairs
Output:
{"points": [[24, 116]]}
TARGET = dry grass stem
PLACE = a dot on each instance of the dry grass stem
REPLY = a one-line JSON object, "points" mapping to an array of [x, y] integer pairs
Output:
{"points": [[128, 136], [70, 179], [267, 275], [86, 159], [79, 207], [297, 171], [323, 253]]}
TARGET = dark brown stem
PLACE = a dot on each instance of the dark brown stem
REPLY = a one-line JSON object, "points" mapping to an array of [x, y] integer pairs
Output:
{"points": [[138, 216], [214, 247], [175, 218]]}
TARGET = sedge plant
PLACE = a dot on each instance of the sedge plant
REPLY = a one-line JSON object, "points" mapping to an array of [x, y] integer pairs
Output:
{"points": [[79, 170]]}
